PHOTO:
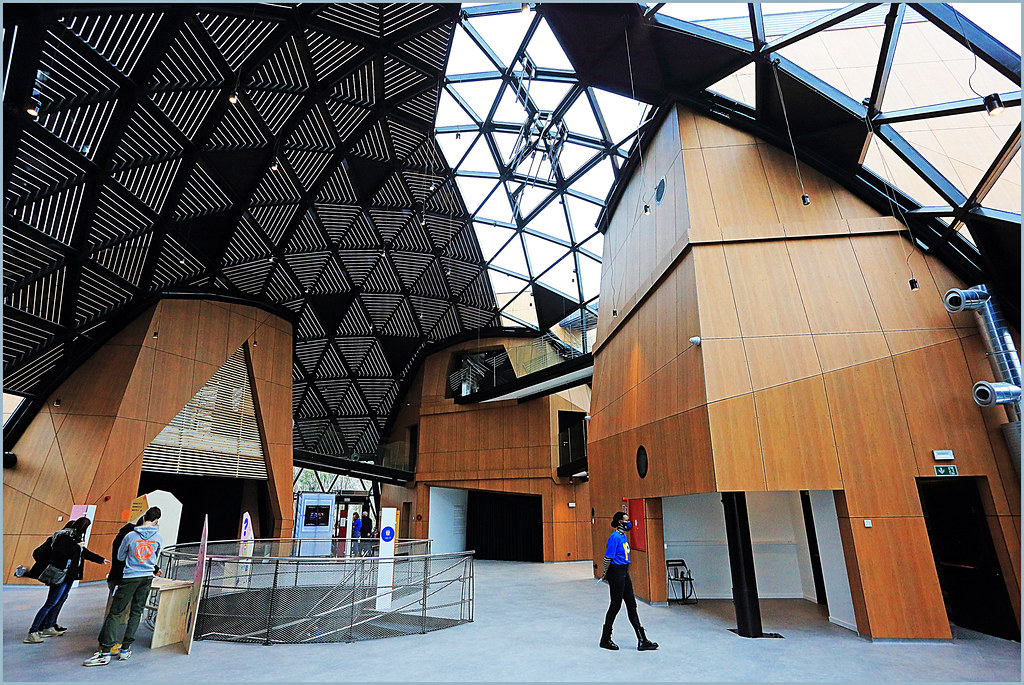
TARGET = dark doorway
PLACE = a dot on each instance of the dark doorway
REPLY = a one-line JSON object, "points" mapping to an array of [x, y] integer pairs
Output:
{"points": [[504, 527], [973, 587], [219, 497]]}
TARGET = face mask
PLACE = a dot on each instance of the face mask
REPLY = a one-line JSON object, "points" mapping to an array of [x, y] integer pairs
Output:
{"points": [[629, 525]]}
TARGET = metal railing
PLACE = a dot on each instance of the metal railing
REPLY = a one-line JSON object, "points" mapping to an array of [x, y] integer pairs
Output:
{"points": [[275, 596], [535, 355]]}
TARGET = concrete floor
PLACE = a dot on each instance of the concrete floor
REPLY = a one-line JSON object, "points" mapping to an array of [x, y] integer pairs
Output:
{"points": [[534, 622]]}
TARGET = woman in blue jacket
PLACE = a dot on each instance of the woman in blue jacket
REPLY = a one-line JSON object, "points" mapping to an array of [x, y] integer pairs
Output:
{"points": [[616, 572]]}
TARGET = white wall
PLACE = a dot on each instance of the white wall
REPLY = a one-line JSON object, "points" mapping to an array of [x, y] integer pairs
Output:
{"points": [[695, 531], [833, 563], [447, 525]]}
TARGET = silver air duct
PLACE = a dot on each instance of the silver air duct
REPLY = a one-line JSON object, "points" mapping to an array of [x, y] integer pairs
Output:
{"points": [[1002, 355]]}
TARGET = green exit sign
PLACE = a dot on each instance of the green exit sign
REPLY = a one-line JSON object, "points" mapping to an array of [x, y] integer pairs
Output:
{"points": [[946, 470]]}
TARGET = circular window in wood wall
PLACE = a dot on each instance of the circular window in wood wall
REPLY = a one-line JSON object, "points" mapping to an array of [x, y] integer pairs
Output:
{"points": [[641, 461]]}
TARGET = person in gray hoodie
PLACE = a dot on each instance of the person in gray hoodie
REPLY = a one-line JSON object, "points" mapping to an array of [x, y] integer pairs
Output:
{"points": [[139, 551]]}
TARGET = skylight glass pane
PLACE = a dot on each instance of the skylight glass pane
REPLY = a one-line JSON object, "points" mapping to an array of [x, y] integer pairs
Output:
{"points": [[497, 207], [738, 85], [580, 118], [594, 245], [598, 180], [621, 115], [547, 95], [492, 238], [543, 253], [479, 95], [584, 216], [510, 108], [590, 274], [701, 12], [522, 308], [505, 287], [574, 156], [475, 190], [506, 143], [504, 33], [479, 158], [512, 258], [551, 221], [11, 404], [450, 112], [545, 51], [1005, 194], [562, 278], [885, 163], [466, 57], [454, 146]]}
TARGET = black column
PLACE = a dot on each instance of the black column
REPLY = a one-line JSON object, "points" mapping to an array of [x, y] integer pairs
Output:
{"points": [[741, 561]]}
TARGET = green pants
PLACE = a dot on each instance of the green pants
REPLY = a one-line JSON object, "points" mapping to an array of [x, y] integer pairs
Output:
{"points": [[127, 605]]}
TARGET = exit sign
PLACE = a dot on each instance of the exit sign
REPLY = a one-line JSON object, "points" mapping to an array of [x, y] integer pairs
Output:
{"points": [[945, 470]]}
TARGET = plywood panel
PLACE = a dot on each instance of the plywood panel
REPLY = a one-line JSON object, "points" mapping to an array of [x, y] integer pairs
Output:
{"points": [[942, 415], [15, 506], [759, 273], [211, 346], [688, 315], [906, 341], [97, 386], [32, 449], [725, 368], [121, 490], [883, 260], [177, 321], [832, 289], [715, 134], [736, 445], [838, 351], [135, 404], [169, 394], [873, 441], [81, 441], [703, 220], [796, 437], [689, 139], [739, 187], [898, 548], [41, 520], [850, 556], [780, 359], [53, 487], [786, 190], [125, 445], [944, 280]]}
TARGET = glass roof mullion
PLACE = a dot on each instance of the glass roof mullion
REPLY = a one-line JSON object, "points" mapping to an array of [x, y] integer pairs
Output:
{"points": [[825, 22], [482, 44], [550, 238], [945, 109], [919, 164], [988, 180], [955, 25], [464, 105], [893, 24], [475, 76]]}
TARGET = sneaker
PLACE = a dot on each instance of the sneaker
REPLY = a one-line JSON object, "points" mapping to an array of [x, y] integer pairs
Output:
{"points": [[97, 659], [33, 638], [53, 631], [116, 649], [60, 628], [125, 655], [20, 571]]}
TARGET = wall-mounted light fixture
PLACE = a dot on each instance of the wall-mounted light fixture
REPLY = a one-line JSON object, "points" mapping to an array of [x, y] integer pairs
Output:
{"points": [[913, 284], [233, 98]]}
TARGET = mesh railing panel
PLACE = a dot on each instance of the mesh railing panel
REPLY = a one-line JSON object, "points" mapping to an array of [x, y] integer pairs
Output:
{"points": [[273, 596]]}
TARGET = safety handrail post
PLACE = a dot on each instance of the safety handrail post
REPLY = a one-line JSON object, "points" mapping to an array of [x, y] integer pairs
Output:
{"points": [[270, 609]]}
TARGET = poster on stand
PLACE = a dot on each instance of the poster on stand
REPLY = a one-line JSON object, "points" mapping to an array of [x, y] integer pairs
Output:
{"points": [[386, 565], [245, 548], [192, 611]]}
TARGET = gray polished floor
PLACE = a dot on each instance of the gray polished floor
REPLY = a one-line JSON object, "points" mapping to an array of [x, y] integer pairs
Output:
{"points": [[534, 622]]}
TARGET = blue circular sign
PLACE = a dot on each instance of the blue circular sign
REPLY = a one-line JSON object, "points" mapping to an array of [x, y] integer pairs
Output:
{"points": [[388, 534]]}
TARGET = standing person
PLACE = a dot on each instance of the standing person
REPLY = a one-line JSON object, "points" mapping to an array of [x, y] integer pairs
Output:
{"points": [[365, 546], [356, 527], [616, 572], [116, 575], [140, 550], [66, 550]]}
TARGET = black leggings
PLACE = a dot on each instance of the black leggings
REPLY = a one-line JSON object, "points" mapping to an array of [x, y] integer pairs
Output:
{"points": [[620, 587]]}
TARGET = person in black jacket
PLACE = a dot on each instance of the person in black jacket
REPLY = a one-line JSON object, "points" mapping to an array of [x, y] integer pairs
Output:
{"points": [[66, 550], [117, 566]]}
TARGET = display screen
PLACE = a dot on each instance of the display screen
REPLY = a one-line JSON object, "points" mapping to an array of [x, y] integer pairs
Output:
{"points": [[318, 515]]}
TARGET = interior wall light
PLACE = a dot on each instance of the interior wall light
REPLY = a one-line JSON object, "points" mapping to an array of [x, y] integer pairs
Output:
{"points": [[273, 167], [647, 210], [233, 98], [913, 284], [994, 105], [806, 199], [56, 402], [32, 110]]}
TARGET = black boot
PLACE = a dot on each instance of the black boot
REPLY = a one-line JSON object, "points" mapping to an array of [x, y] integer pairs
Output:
{"points": [[606, 638], [642, 643]]}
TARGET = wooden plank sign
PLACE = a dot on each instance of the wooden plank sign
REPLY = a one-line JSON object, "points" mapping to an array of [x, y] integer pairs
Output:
{"points": [[192, 612]]}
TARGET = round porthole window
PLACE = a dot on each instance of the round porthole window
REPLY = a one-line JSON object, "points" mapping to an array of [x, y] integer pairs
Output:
{"points": [[659, 192], [641, 461]]}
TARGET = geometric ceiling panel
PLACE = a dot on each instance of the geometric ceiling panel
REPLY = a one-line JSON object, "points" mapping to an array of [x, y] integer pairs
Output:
{"points": [[235, 150]]}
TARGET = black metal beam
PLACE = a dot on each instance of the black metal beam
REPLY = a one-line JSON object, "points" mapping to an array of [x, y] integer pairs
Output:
{"points": [[916, 161], [825, 22], [942, 110], [893, 24], [350, 467], [543, 376]]}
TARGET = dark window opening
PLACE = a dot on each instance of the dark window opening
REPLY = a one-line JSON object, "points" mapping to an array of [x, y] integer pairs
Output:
{"points": [[572, 436]]}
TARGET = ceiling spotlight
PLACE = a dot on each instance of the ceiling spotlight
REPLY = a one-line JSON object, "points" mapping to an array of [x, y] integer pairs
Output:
{"points": [[273, 167], [56, 402], [994, 105], [433, 187], [647, 210], [33, 110], [806, 199], [913, 284], [525, 6], [233, 98], [458, 135], [156, 335]]}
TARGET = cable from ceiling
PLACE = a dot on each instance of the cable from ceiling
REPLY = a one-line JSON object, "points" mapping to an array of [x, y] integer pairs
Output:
{"points": [[641, 197], [804, 197], [993, 103]]}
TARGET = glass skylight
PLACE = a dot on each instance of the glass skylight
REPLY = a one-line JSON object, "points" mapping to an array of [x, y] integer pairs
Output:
{"points": [[522, 134]]}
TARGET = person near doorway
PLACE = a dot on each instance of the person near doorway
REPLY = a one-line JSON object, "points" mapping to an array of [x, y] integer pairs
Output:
{"points": [[65, 550], [356, 526], [365, 546], [140, 551], [616, 573]]}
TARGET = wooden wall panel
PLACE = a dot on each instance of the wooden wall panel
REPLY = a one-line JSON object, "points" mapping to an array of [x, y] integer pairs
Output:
{"points": [[908, 341], [703, 219], [853, 564], [898, 549], [715, 302], [875, 452], [775, 360], [838, 351], [786, 190], [796, 437], [831, 288], [736, 445], [760, 273], [725, 369], [655, 529], [91, 453], [736, 172]]}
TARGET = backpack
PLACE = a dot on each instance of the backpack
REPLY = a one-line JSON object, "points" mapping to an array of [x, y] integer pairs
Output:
{"points": [[43, 552]]}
